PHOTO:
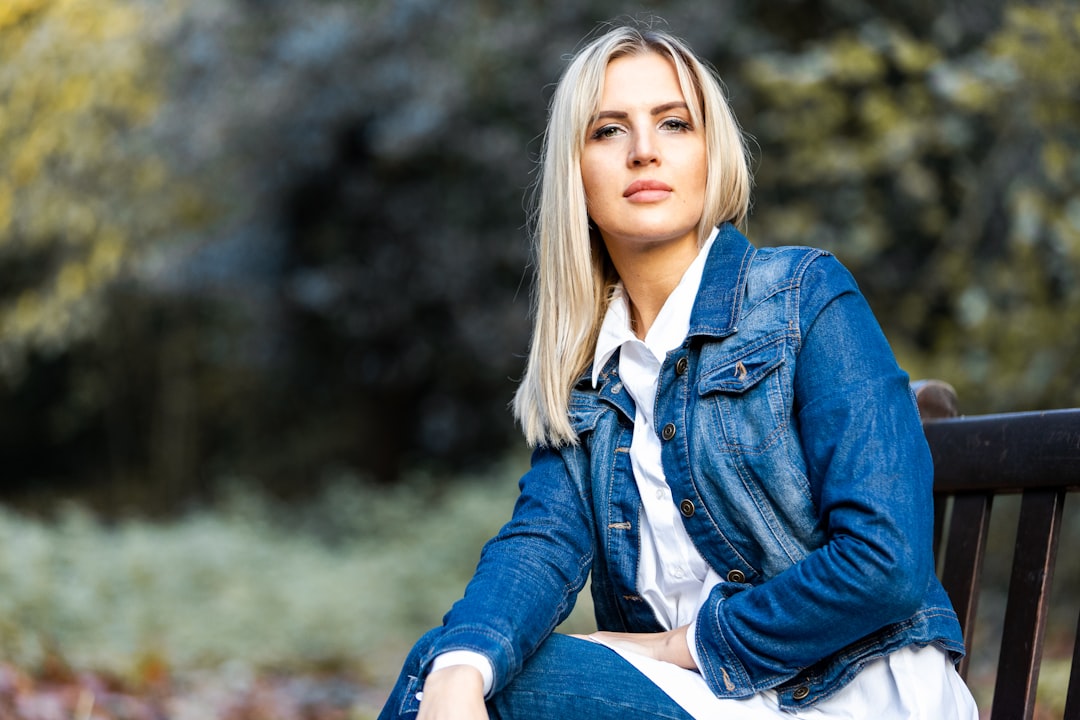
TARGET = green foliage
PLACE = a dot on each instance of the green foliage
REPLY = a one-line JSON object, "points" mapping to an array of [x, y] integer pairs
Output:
{"points": [[350, 579]]}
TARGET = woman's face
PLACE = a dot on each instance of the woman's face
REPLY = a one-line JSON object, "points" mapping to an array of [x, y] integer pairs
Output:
{"points": [[643, 164]]}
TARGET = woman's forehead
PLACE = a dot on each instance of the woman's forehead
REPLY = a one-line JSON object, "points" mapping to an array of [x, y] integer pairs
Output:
{"points": [[645, 77]]}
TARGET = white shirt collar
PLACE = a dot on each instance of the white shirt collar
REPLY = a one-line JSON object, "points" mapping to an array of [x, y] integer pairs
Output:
{"points": [[671, 324]]}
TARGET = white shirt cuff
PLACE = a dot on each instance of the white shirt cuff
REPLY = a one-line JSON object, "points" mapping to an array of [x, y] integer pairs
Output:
{"points": [[470, 658], [691, 643]]}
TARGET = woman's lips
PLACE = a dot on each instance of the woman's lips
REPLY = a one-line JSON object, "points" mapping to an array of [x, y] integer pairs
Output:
{"points": [[646, 191]]}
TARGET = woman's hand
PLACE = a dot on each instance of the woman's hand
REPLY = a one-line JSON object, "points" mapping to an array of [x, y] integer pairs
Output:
{"points": [[453, 693], [667, 646]]}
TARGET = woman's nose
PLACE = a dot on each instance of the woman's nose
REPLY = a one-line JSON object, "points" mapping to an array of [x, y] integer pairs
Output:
{"points": [[643, 150]]}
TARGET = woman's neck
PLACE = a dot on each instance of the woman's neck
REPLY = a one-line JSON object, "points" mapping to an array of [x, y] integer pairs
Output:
{"points": [[649, 276]]}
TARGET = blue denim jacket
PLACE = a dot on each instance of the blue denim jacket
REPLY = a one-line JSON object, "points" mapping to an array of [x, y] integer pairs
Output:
{"points": [[793, 448]]}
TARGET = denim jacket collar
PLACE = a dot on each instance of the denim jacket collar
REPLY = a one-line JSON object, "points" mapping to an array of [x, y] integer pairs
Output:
{"points": [[719, 300], [716, 310]]}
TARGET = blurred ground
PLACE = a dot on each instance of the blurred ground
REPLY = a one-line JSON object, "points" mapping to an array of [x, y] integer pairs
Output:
{"points": [[234, 693]]}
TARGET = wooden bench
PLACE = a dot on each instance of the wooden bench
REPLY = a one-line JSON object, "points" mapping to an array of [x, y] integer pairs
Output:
{"points": [[977, 458]]}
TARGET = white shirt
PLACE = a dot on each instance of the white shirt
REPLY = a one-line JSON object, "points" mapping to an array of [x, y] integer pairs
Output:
{"points": [[672, 576]]}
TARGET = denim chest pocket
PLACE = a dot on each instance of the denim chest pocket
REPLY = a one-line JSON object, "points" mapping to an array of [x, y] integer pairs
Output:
{"points": [[746, 395]]}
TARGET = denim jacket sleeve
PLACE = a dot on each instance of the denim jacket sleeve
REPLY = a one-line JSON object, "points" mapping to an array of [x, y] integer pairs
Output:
{"points": [[871, 476], [528, 575]]}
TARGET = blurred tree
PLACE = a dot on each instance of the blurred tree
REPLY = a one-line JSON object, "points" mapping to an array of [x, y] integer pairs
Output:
{"points": [[944, 174], [84, 193], [345, 286], [80, 189]]}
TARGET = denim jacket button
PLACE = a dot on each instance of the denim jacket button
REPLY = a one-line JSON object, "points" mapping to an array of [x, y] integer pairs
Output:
{"points": [[681, 365], [686, 507], [668, 432], [800, 693], [736, 576]]}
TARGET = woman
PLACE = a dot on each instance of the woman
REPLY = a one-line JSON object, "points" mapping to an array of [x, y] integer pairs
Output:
{"points": [[722, 438]]}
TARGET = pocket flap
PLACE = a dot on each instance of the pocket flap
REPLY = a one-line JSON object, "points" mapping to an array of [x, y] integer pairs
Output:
{"points": [[739, 373]]}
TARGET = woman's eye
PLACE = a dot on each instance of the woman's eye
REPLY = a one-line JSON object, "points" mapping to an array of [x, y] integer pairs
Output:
{"points": [[606, 131], [676, 124]]}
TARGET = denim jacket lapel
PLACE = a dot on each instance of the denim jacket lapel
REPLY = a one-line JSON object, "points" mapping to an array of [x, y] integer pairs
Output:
{"points": [[723, 284]]}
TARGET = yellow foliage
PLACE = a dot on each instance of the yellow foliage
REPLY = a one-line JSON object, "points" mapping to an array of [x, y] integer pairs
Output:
{"points": [[879, 110], [74, 94], [1066, 228], [5, 205], [23, 317], [972, 93], [78, 79], [910, 55], [1036, 22], [13, 12], [1044, 43], [71, 282], [855, 62], [1056, 158], [107, 255]]}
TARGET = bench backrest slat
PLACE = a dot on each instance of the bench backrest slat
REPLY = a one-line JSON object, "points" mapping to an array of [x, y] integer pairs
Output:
{"points": [[1072, 699], [1029, 598], [962, 569]]}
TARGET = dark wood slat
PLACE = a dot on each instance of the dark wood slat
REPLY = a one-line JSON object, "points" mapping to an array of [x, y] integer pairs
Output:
{"points": [[1006, 453], [1025, 614], [941, 503], [962, 569], [1072, 698]]}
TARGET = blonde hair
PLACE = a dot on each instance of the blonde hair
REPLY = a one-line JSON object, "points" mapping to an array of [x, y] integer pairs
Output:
{"points": [[573, 273]]}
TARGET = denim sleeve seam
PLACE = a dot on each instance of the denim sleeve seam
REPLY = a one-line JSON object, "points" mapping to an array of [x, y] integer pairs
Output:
{"points": [[801, 282]]}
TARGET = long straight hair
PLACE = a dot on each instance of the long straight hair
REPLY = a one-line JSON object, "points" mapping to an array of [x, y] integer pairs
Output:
{"points": [[574, 275]]}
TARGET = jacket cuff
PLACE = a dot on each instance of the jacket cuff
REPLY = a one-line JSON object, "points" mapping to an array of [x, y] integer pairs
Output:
{"points": [[470, 658], [723, 672], [491, 647]]}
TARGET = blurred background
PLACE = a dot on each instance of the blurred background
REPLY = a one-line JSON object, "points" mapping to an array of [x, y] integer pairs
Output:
{"points": [[264, 288]]}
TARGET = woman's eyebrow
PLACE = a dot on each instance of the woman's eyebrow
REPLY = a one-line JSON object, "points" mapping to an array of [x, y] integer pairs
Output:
{"points": [[621, 115], [669, 106]]}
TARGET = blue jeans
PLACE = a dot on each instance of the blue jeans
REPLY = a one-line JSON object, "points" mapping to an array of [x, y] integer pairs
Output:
{"points": [[566, 677]]}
